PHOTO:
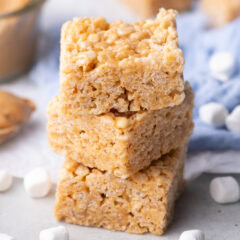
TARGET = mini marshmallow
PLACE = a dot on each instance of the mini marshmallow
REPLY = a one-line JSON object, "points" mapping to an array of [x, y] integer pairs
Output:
{"points": [[192, 235], [37, 183], [5, 180], [222, 66], [214, 114], [5, 237], [224, 190], [233, 120], [56, 233]]}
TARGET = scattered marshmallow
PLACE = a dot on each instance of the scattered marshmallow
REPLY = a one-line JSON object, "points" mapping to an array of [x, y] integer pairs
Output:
{"points": [[5, 180], [6, 237], [214, 114], [222, 66], [56, 233], [37, 183], [225, 190], [233, 120], [192, 235]]}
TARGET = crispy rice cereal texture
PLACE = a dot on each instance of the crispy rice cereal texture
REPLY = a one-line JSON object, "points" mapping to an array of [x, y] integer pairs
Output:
{"points": [[221, 11], [148, 8], [142, 203], [119, 66], [121, 144]]}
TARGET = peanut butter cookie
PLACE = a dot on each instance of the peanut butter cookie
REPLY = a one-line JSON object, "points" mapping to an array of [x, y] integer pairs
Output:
{"points": [[14, 111]]}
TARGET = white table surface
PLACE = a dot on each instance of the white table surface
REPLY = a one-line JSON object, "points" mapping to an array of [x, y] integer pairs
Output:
{"points": [[23, 217]]}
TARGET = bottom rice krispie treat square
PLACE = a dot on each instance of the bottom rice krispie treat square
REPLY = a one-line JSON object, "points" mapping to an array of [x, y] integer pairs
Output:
{"points": [[141, 203]]}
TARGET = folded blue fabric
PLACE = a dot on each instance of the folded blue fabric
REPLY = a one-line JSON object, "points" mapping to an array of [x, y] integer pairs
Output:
{"points": [[198, 44]]}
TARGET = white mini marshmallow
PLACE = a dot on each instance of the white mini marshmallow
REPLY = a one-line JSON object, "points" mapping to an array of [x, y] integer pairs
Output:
{"points": [[56, 233], [214, 114], [224, 190], [233, 120], [5, 180], [5, 237], [37, 183], [192, 235], [222, 66]]}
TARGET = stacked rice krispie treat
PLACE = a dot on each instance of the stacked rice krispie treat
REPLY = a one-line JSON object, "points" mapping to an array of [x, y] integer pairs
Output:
{"points": [[122, 120]]}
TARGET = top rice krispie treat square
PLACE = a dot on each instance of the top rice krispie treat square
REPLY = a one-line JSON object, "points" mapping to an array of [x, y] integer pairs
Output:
{"points": [[120, 66]]}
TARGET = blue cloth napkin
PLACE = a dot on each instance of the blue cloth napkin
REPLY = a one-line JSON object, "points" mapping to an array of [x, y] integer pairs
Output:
{"points": [[198, 44]]}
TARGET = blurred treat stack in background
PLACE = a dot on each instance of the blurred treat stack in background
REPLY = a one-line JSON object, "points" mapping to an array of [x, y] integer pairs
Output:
{"points": [[149, 8], [221, 12]]}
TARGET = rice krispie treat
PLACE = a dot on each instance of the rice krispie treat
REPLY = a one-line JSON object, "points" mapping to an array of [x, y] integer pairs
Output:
{"points": [[221, 11], [121, 144], [120, 67], [142, 203], [149, 8]]}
